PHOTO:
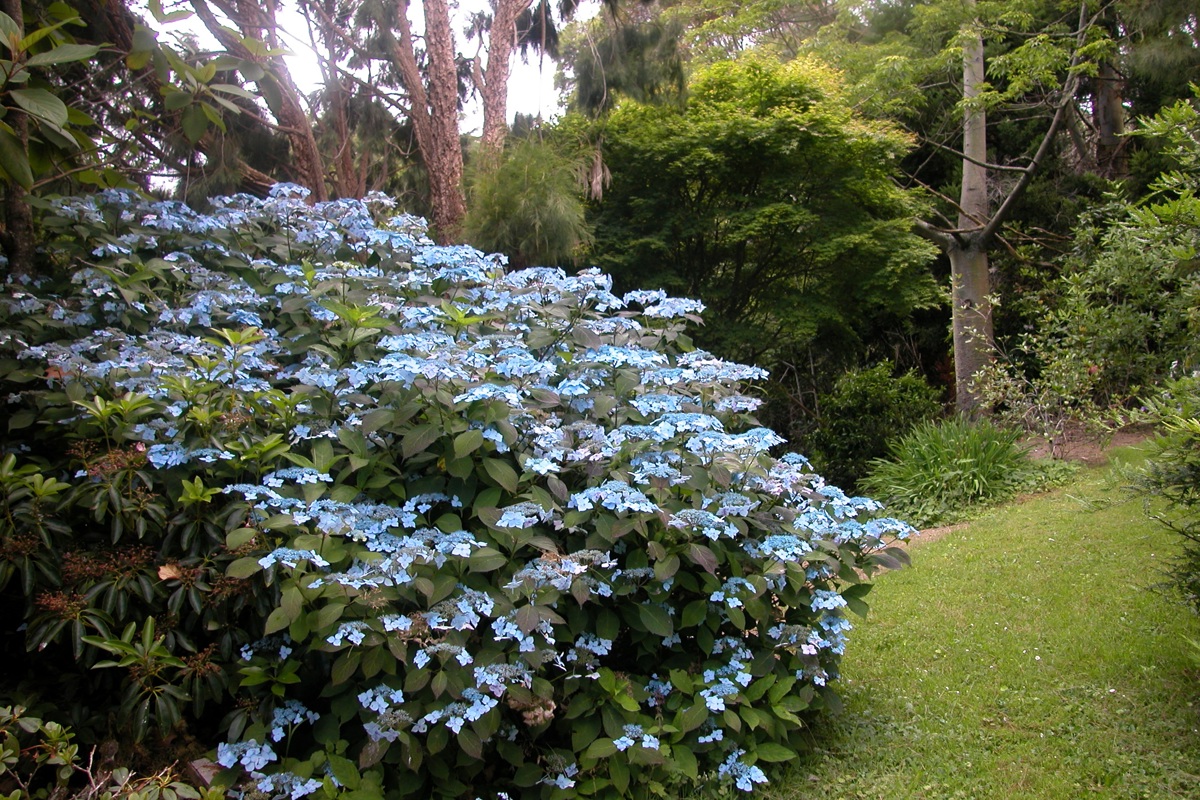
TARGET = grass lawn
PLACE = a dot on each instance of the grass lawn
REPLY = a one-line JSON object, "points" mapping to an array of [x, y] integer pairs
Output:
{"points": [[1025, 655]]}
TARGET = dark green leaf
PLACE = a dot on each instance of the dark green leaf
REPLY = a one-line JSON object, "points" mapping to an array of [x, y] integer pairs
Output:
{"points": [[501, 473], [487, 559], [195, 123], [14, 160], [773, 753], [418, 439], [656, 619], [41, 104]]}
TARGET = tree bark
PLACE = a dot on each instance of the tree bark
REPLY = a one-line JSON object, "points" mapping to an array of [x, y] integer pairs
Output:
{"points": [[493, 88], [434, 112], [256, 19], [971, 313], [1108, 115]]}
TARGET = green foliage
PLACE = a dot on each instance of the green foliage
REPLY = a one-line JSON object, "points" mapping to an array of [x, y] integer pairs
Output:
{"points": [[1023, 657], [940, 471], [1122, 316], [529, 206], [39, 757], [865, 409], [388, 520], [1173, 474], [27, 89], [769, 198]]}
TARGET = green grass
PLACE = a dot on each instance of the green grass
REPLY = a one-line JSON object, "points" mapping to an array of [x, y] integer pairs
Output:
{"points": [[1025, 655]]}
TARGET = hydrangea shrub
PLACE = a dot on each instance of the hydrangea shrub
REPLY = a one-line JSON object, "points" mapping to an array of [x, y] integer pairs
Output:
{"points": [[406, 522]]}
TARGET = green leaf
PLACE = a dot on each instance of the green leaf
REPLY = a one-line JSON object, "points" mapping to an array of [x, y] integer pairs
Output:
{"points": [[21, 419], [195, 123], [418, 439], [467, 442], [618, 771], [693, 717], [63, 54], [344, 770], [376, 419], [501, 473], [487, 559], [10, 31], [176, 100], [774, 753], [601, 748], [656, 619], [15, 161], [685, 760], [41, 104], [142, 50], [243, 567], [694, 613], [41, 33], [276, 621], [271, 93]]}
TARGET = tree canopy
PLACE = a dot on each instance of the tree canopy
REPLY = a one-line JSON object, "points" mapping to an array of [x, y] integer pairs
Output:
{"points": [[765, 195]]}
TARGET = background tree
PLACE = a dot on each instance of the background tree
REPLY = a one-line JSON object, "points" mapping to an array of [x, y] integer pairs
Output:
{"points": [[766, 197]]}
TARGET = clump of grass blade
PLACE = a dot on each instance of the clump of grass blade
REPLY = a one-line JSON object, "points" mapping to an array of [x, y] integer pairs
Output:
{"points": [[942, 471]]}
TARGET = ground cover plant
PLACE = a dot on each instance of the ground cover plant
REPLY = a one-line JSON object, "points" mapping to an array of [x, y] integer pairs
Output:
{"points": [[942, 471], [376, 516], [1021, 657]]}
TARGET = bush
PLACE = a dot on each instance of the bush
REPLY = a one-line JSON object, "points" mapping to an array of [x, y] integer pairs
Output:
{"points": [[39, 758], [528, 205], [865, 409], [1173, 473], [940, 471], [386, 518]]}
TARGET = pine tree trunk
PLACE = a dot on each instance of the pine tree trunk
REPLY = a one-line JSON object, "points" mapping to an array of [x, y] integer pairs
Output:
{"points": [[434, 113], [501, 43]]}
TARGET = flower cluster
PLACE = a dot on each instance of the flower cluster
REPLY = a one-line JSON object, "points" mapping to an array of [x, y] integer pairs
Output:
{"points": [[517, 531]]}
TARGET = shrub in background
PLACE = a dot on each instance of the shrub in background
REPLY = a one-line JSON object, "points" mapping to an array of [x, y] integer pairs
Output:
{"points": [[865, 409], [385, 518], [1173, 473], [940, 471], [527, 202]]}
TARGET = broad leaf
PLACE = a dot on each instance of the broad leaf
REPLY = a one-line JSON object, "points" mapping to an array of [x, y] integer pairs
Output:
{"points": [[41, 104]]}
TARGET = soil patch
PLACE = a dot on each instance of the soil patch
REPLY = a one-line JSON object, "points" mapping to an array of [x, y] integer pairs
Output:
{"points": [[1078, 444]]}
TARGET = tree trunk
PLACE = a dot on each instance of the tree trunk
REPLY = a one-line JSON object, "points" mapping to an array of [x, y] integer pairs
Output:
{"points": [[1108, 115], [258, 20], [971, 314], [494, 89], [971, 321], [434, 113]]}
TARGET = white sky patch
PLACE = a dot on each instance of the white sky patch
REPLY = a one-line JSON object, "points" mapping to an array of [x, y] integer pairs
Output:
{"points": [[530, 88]]}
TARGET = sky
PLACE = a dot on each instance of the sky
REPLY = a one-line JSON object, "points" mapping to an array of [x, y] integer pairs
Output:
{"points": [[530, 90]]}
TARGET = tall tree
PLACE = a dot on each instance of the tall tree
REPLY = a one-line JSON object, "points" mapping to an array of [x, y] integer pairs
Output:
{"points": [[947, 68], [433, 99], [255, 40], [764, 196]]}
